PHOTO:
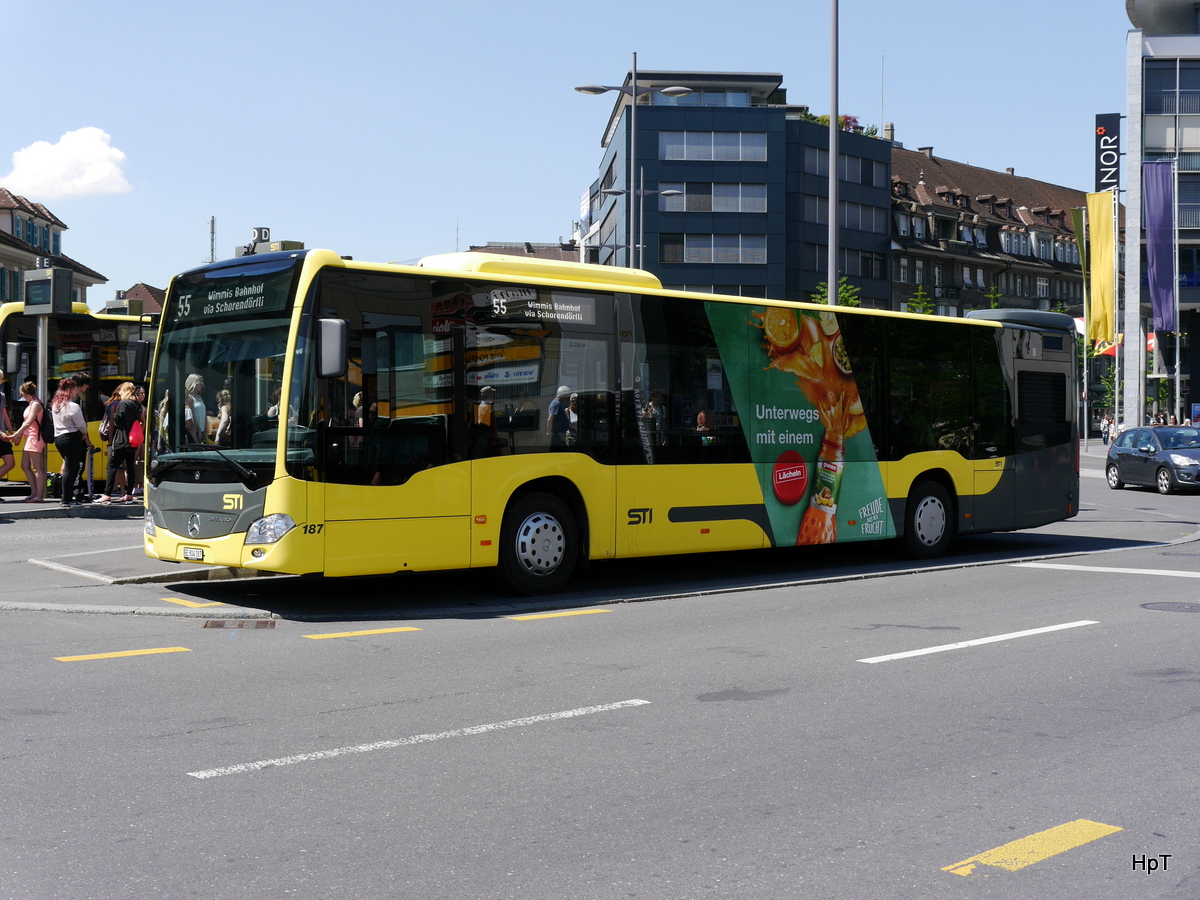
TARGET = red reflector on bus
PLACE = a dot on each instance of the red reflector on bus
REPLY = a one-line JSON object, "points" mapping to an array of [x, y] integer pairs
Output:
{"points": [[704, 531], [485, 543]]}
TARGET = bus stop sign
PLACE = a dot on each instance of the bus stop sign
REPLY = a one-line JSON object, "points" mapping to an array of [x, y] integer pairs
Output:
{"points": [[48, 292]]}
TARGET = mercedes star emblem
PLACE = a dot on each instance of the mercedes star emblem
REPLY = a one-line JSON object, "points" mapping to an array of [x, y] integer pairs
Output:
{"points": [[194, 525]]}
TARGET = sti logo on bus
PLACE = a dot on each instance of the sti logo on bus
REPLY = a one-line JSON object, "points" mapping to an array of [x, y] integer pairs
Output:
{"points": [[641, 516], [231, 501]]}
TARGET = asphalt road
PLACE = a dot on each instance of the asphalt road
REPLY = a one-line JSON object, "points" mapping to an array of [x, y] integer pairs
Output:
{"points": [[765, 729]]}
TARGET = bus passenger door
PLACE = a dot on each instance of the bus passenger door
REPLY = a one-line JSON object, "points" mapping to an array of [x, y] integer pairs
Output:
{"points": [[396, 486]]}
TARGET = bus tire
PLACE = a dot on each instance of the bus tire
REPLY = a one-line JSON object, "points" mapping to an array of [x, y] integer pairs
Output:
{"points": [[539, 545], [928, 521]]}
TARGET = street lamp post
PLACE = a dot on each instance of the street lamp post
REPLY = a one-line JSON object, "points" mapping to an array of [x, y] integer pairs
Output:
{"points": [[633, 90]]}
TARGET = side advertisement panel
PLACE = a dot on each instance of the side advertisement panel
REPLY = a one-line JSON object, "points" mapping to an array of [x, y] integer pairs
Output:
{"points": [[804, 422]]}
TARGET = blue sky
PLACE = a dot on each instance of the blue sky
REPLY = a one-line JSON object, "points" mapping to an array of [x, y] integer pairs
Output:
{"points": [[391, 131]]}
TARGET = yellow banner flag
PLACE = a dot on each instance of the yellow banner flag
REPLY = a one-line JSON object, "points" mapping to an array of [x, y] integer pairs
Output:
{"points": [[1101, 323]]}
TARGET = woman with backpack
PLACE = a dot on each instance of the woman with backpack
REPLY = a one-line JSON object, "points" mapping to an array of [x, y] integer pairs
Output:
{"points": [[32, 462], [122, 452], [70, 436]]}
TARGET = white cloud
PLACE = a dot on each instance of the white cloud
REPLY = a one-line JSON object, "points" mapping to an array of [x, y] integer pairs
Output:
{"points": [[82, 162]]}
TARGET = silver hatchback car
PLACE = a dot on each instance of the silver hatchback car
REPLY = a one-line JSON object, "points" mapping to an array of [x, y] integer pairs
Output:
{"points": [[1167, 458]]}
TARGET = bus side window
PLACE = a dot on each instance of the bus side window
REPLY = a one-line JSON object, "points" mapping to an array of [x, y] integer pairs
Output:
{"points": [[683, 385], [930, 387]]}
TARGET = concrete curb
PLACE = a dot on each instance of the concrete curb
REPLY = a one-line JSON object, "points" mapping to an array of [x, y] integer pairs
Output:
{"points": [[214, 573]]}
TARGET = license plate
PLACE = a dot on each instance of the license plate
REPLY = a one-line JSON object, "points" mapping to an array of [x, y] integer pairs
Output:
{"points": [[196, 553]]}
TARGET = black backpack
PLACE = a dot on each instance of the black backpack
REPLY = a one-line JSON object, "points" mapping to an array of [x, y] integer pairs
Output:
{"points": [[46, 426]]}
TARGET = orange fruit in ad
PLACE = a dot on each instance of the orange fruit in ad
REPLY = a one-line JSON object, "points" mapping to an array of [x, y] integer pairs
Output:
{"points": [[781, 328]]}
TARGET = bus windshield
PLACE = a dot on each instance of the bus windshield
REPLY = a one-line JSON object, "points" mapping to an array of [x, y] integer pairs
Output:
{"points": [[217, 385]]}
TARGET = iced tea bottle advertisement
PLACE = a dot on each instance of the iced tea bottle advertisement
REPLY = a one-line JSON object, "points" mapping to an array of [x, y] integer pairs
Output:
{"points": [[799, 408]]}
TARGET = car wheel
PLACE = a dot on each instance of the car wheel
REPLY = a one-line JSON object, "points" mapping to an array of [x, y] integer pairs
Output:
{"points": [[1163, 481], [1114, 477], [928, 521], [539, 545]]}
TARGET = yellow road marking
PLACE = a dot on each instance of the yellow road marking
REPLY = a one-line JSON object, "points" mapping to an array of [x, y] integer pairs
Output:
{"points": [[557, 615], [190, 603], [341, 634], [124, 653], [1035, 848]]}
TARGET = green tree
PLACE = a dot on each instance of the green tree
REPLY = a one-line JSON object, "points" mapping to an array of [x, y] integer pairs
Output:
{"points": [[920, 302], [993, 296], [847, 293]]}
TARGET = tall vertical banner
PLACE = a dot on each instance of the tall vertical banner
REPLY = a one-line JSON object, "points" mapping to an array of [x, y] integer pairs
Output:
{"points": [[1079, 222], [1158, 193], [1108, 151], [1101, 230]]}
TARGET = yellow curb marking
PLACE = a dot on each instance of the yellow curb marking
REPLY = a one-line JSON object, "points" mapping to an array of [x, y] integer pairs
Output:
{"points": [[558, 615], [192, 604], [342, 634], [1035, 848], [124, 653]]}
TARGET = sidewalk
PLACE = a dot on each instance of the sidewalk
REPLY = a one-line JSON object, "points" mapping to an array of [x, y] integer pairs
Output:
{"points": [[13, 510]]}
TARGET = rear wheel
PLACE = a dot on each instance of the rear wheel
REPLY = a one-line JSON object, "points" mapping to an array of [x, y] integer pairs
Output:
{"points": [[539, 544], [1114, 477], [1163, 481], [928, 521]]}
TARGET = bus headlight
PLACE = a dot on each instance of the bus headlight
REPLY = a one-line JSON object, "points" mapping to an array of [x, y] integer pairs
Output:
{"points": [[148, 525], [269, 529]]}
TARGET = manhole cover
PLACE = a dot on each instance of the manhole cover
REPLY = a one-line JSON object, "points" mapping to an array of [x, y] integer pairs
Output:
{"points": [[1172, 607], [240, 623]]}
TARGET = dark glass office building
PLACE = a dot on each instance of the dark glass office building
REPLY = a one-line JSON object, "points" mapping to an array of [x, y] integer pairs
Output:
{"points": [[730, 190]]}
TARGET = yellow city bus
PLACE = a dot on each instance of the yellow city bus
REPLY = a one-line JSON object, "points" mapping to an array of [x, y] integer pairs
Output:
{"points": [[477, 410], [103, 346]]}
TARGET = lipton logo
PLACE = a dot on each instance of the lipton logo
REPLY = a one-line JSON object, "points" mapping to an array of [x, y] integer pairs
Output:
{"points": [[789, 479]]}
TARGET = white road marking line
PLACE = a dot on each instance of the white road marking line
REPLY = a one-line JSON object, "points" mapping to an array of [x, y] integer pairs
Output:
{"points": [[416, 739], [96, 552], [977, 642], [1173, 573]]}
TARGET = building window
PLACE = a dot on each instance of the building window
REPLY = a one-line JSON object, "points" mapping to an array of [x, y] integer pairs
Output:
{"points": [[903, 279], [979, 279], [816, 209], [701, 98], [713, 248], [862, 218], [919, 269], [966, 274], [919, 227], [816, 161], [748, 146], [902, 224], [1043, 287], [705, 197]]}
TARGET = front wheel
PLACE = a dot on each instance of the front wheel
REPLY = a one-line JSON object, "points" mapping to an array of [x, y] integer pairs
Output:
{"points": [[1163, 481], [928, 521], [539, 545], [1114, 477]]}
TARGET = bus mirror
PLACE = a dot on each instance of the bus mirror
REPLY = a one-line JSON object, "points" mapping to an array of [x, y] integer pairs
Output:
{"points": [[141, 360], [331, 348], [12, 356]]}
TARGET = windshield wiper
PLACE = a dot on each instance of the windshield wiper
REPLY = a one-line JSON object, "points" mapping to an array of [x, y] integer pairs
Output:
{"points": [[249, 477]]}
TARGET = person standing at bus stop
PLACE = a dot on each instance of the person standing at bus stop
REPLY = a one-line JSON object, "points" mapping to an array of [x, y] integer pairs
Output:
{"points": [[558, 419], [7, 462], [33, 463], [70, 437], [121, 451]]}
